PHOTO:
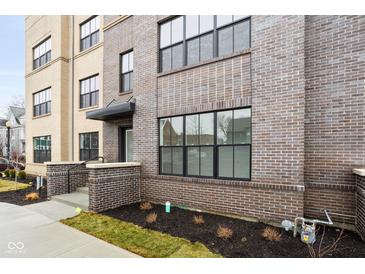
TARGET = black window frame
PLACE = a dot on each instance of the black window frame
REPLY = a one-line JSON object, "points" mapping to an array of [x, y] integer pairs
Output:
{"points": [[37, 153], [185, 40], [89, 94], [89, 36], [44, 58], [215, 146], [43, 108], [122, 74], [91, 150]]}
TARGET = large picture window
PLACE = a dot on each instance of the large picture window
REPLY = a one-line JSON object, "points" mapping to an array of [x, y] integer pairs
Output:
{"points": [[42, 102], [42, 149], [214, 144], [89, 93], [42, 53], [126, 76], [190, 39], [89, 33], [89, 146]]}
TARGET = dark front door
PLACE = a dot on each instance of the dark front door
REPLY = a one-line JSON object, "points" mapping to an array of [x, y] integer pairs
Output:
{"points": [[126, 145]]}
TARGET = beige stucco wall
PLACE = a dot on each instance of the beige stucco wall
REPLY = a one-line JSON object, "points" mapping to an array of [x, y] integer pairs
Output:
{"points": [[57, 74]]}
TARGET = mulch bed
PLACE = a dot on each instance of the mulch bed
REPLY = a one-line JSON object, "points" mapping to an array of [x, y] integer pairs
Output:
{"points": [[17, 197], [246, 241]]}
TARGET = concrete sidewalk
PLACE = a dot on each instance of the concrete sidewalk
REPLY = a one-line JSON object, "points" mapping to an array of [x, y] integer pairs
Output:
{"points": [[34, 232]]}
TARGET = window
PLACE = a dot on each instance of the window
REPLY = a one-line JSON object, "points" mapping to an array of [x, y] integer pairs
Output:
{"points": [[190, 39], [42, 102], [42, 149], [213, 145], [89, 33], [89, 94], [89, 146], [171, 145], [126, 77], [42, 53]]}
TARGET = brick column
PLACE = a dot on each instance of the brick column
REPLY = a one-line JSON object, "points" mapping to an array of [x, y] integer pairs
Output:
{"points": [[360, 202], [57, 177], [113, 184]]}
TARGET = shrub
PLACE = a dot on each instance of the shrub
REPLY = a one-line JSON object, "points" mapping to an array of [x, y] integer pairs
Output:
{"points": [[32, 196], [198, 220], [321, 251], [224, 232], [7, 172], [22, 174], [145, 206], [271, 234], [151, 218], [12, 173]]}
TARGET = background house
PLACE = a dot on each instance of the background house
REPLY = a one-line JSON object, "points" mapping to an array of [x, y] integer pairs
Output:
{"points": [[16, 116]]}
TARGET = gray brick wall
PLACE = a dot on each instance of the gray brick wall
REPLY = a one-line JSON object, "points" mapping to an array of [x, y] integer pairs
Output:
{"points": [[335, 116], [113, 187], [57, 178]]}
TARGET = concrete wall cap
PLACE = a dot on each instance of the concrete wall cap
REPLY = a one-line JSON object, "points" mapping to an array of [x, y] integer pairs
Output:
{"points": [[113, 165], [63, 163], [359, 171]]}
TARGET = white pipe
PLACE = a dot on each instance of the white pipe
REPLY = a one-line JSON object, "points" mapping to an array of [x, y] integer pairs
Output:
{"points": [[313, 221]]}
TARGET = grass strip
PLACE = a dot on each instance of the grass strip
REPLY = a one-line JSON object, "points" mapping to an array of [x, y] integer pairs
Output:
{"points": [[11, 186], [144, 242]]}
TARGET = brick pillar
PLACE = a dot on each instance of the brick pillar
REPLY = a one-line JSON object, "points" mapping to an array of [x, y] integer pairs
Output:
{"points": [[113, 184], [57, 177], [360, 202]]}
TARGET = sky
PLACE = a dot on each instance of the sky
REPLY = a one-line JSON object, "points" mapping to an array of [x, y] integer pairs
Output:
{"points": [[11, 59]]}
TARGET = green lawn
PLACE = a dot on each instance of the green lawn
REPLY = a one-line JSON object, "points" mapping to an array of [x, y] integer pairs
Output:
{"points": [[141, 241], [10, 185]]}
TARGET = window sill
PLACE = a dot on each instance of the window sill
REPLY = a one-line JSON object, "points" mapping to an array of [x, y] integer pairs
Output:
{"points": [[226, 182], [41, 116], [90, 49], [121, 93], [206, 62], [88, 108]]}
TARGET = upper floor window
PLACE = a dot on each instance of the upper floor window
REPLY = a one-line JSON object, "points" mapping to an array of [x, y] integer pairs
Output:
{"points": [[42, 149], [89, 94], [42, 53], [214, 144], [89, 146], [190, 39], [42, 102], [126, 77], [89, 33]]}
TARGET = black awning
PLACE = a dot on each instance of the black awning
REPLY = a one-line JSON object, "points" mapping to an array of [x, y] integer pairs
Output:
{"points": [[112, 112]]}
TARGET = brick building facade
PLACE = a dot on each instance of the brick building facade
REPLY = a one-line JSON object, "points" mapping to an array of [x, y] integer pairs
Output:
{"points": [[302, 76], [300, 79]]}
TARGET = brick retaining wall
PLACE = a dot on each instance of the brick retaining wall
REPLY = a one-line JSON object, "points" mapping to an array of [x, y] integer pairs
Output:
{"points": [[111, 187], [360, 205], [57, 177]]}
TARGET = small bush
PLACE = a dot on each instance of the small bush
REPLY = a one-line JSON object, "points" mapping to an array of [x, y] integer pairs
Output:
{"points": [[271, 234], [198, 220], [145, 206], [7, 172], [151, 218], [34, 196], [12, 173], [224, 232], [22, 174]]}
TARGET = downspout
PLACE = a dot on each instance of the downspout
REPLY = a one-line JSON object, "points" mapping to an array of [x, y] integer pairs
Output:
{"points": [[73, 89]]}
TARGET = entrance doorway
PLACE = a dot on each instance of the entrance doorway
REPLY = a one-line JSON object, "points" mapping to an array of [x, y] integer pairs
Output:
{"points": [[126, 145]]}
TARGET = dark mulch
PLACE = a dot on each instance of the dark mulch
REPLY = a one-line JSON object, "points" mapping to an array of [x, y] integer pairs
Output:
{"points": [[246, 240], [17, 197]]}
